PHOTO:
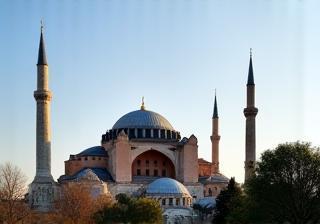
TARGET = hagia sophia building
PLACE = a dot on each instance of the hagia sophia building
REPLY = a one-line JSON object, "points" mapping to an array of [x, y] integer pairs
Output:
{"points": [[141, 154]]}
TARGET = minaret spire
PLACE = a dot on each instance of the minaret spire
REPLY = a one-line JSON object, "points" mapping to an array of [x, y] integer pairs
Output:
{"points": [[215, 138], [43, 187], [42, 57], [215, 107], [250, 72], [250, 113]]}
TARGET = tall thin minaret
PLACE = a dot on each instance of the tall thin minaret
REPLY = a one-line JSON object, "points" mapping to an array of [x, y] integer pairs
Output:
{"points": [[43, 97], [215, 138], [41, 191], [250, 113]]}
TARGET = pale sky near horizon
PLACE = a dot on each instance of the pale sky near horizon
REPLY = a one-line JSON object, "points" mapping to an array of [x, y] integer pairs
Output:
{"points": [[105, 55]]}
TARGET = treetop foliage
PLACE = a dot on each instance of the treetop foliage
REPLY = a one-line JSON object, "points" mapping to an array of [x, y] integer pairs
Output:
{"points": [[130, 210]]}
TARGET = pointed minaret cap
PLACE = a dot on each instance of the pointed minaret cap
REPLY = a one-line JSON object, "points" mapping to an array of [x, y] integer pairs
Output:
{"points": [[250, 73], [142, 104], [215, 108], [42, 58]]}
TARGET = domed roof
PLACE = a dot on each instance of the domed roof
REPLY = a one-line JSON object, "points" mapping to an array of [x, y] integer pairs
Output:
{"points": [[94, 151], [214, 178], [167, 186], [143, 119], [89, 173]]}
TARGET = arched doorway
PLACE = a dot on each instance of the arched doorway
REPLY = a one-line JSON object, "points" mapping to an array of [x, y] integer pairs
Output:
{"points": [[152, 164]]}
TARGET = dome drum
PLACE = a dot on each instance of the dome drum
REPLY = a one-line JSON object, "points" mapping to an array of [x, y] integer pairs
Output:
{"points": [[143, 124], [143, 133]]}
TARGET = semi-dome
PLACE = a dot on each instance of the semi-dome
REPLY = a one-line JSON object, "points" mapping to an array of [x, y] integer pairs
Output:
{"points": [[143, 119], [94, 151], [167, 186]]}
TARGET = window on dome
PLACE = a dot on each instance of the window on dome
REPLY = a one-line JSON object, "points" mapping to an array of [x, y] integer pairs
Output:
{"points": [[164, 173], [174, 136], [156, 133], [163, 133], [147, 162], [210, 192], [138, 172], [168, 134], [155, 173], [148, 133], [177, 201], [93, 158], [85, 158], [147, 172], [138, 162], [164, 201], [183, 201], [155, 163], [139, 133], [131, 133], [170, 201]]}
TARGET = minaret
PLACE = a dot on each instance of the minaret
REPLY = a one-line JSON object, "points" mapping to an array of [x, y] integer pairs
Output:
{"points": [[215, 138], [43, 97], [42, 188], [250, 113]]}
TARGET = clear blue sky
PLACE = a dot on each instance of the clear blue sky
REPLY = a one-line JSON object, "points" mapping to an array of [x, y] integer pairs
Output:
{"points": [[105, 55]]}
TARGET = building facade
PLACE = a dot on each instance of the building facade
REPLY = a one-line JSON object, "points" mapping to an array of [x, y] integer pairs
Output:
{"points": [[140, 154]]}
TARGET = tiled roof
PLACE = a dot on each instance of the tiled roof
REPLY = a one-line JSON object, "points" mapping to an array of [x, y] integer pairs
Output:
{"points": [[201, 160]]}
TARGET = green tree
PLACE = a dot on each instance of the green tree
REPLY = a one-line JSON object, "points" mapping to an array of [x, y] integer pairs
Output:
{"points": [[227, 201], [286, 188], [130, 210]]}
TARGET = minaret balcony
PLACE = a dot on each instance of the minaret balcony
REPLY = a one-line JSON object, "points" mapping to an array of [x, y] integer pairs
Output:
{"points": [[42, 95], [250, 111]]}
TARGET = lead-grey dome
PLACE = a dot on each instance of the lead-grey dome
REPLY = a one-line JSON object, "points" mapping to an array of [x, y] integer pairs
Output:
{"points": [[143, 119], [167, 186]]}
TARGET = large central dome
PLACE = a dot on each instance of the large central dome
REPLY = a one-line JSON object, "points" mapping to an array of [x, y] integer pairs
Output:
{"points": [[143, 119]]}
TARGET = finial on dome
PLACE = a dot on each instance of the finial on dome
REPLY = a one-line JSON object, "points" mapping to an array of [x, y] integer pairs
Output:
{"points": [[142, 104]]}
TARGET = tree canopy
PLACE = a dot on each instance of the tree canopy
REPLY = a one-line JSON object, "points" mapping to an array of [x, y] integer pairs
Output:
{"points": [[227, 201], [130, 210], [286, 187], [13, 209]]}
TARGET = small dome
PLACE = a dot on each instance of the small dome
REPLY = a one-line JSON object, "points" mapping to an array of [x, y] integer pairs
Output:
{"points": [[143, 119], [94, 151], [214, 178], [100, 174], [167, 186]]}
